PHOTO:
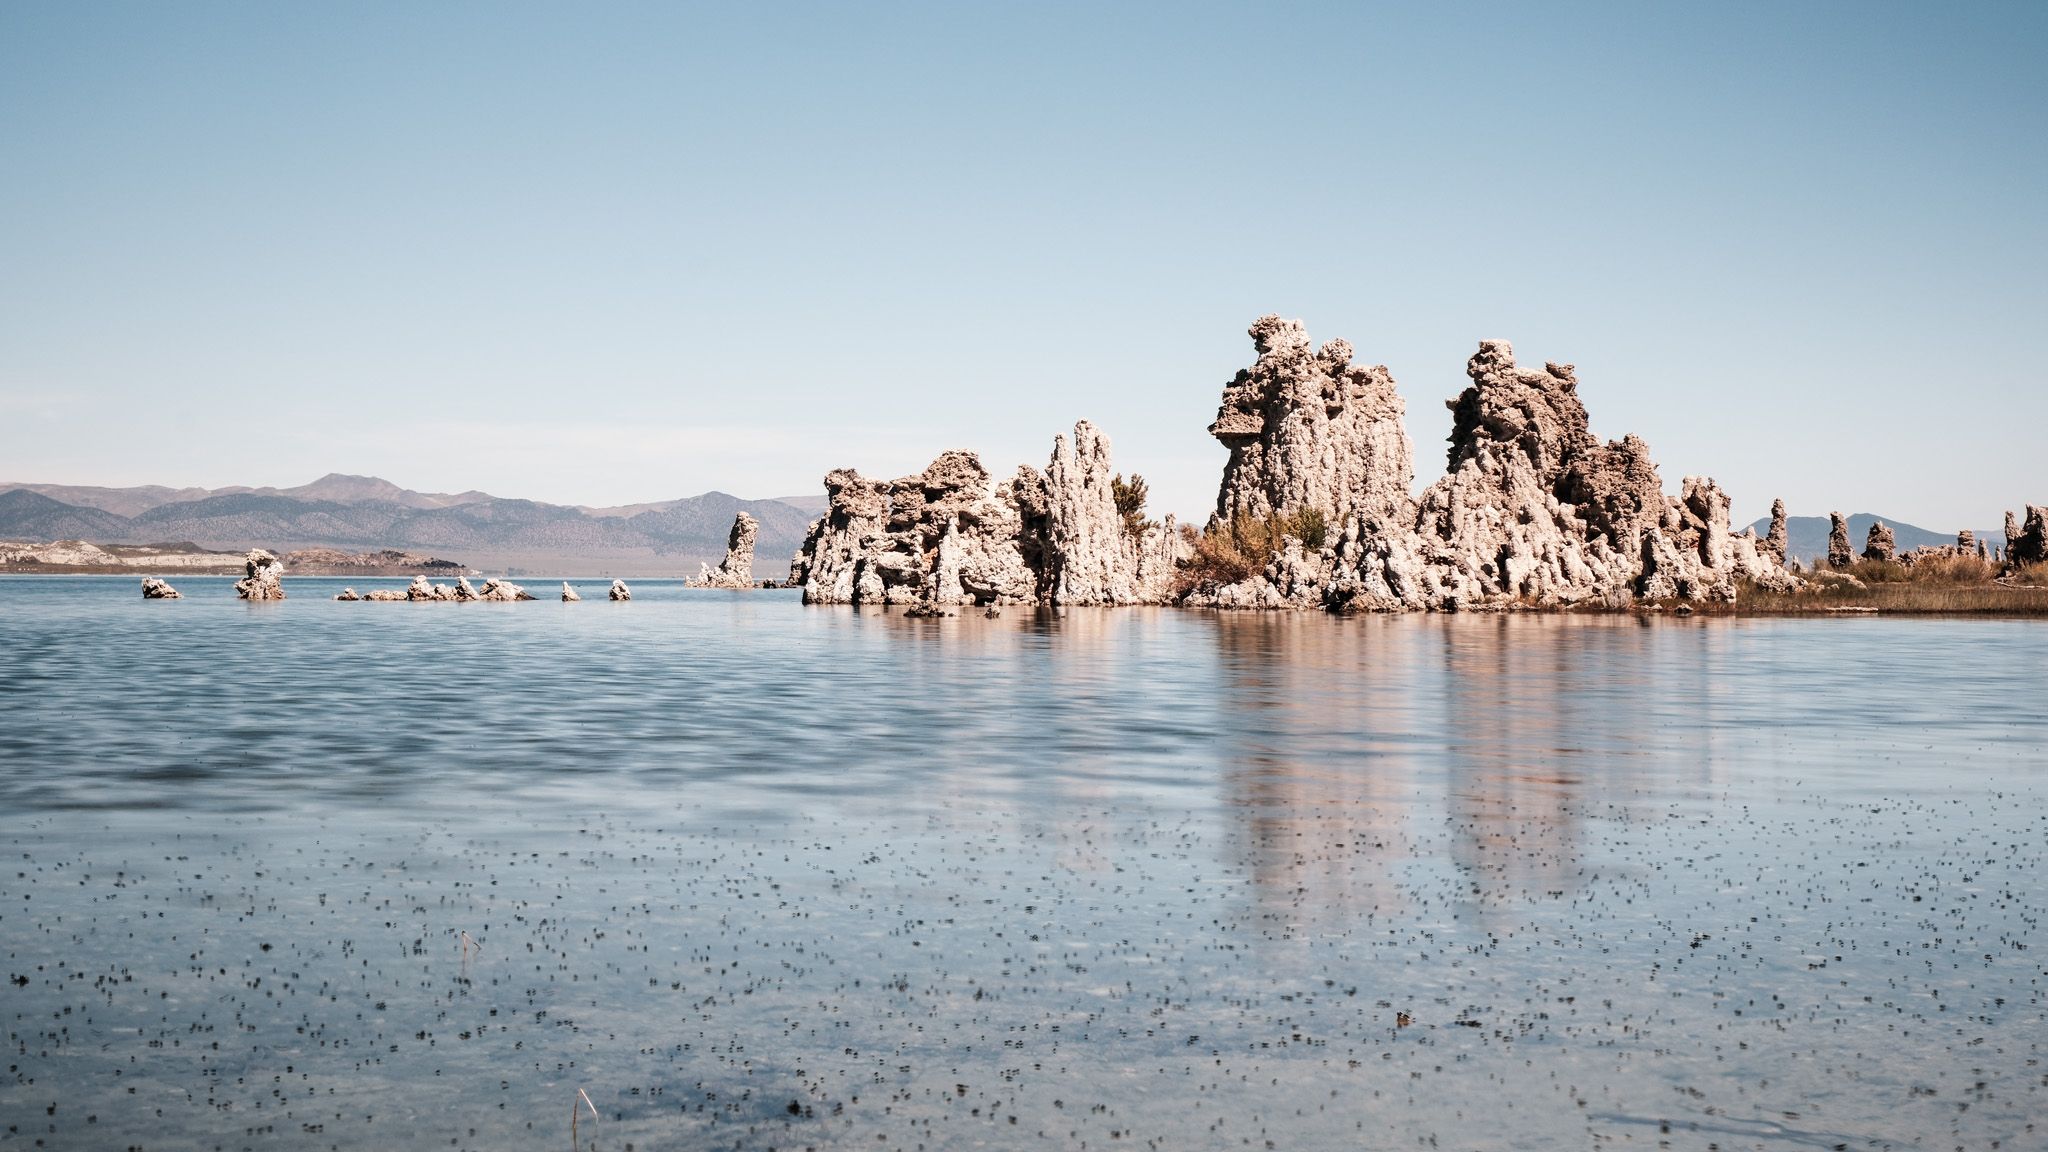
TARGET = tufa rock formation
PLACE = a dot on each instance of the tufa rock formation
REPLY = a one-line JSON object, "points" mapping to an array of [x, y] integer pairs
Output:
{"points": [[1532, 509], [2027, 543], [501, 591], [348, 594], [1879, 544], [155, 589], [262, 580], [737, 569], [420, 589], [1776, 540], [950, 535], [569, 595], [461, 592], [620, 591], [1308, 429], [1839, 555]]}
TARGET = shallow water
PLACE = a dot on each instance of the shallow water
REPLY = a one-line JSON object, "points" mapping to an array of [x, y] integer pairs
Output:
{"points": [[374, 876]]}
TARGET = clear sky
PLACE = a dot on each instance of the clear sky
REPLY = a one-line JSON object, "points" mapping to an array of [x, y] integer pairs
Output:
{"points": [[607, 253]]}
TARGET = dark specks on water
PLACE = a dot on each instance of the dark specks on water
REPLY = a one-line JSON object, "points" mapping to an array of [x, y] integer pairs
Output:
{"points": [[376, 876]]}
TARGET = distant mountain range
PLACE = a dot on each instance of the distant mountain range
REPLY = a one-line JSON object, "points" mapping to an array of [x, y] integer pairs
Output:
{"points": [[1806, 537], [363, 512]]}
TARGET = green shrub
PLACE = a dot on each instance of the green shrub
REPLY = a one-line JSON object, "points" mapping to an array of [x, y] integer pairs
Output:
{"points": [[1130, 499]]}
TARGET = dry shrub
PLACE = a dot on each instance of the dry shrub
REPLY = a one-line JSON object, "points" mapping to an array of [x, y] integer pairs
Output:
{"points": [[1930, 585], [1234, 550]]}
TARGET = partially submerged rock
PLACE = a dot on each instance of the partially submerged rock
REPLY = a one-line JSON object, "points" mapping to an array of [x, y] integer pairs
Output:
{"points": [[421, 589], [951, 535], [263, 579], [348, 594], [620, 591], [155, 589], [737, 569], [569, 595], [497, 590]]}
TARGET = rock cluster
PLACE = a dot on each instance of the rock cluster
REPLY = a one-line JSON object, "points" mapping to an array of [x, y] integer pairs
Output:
{"points": [[2027, 542], [500, 591], [737, 569], [421, 589], [1880, 544], [155, 589], [1532, 508], [263, 579], [620, 591], [951, 535]]}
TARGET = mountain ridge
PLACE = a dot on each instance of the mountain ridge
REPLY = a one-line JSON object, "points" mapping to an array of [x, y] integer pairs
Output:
{"points": [[339, 510]]}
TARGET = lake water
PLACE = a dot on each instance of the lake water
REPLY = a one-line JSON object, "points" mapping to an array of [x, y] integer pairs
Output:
{"points": [[752, 876]]}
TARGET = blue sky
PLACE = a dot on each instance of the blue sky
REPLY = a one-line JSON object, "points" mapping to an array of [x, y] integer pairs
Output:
{"points": [[640, 252]]}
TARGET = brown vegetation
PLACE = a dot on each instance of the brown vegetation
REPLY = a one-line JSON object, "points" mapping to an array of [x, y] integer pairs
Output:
{"points": [[1231, 551], [1932, 585]]}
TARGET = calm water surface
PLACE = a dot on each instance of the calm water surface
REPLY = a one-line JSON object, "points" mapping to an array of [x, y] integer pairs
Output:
{"points": [[752, 876]]}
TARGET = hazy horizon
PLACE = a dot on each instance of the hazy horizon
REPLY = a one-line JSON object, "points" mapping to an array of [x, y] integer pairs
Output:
{"points": [[612, 257]]}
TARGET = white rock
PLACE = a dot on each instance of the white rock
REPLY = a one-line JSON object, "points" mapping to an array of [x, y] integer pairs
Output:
{"points": [[263, 579]]}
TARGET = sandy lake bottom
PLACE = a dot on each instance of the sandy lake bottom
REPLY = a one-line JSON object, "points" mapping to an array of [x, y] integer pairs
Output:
{"points": [[751, 876]]}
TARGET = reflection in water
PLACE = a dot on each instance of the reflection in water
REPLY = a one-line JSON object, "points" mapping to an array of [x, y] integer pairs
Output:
{"points": [[758, 876]]}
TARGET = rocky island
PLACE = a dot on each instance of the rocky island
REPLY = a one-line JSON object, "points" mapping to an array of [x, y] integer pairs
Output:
{"points": [[1315, 509]]}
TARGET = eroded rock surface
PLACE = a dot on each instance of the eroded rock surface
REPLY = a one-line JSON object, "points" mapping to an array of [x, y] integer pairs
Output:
{"points": [[1307, 428], [1776, 540], [737, 569], [1839, 555], [620, 591], [2026, 542], [569, 595], [154, 588], [347, 594], [1532, 510], [263, 579], [1880, 544], [497, 590], [953, 535]]}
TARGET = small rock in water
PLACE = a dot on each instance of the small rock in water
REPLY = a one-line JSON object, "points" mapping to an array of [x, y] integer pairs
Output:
{"points": [[569, 595], [501, 590], [737, 569], [348, 594], [155, 589], [263, 580], [620, 591]]}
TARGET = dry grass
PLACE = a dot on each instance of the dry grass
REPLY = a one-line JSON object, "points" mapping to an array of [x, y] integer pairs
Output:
{"points": [[1238, 548], [1948, 585]]}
